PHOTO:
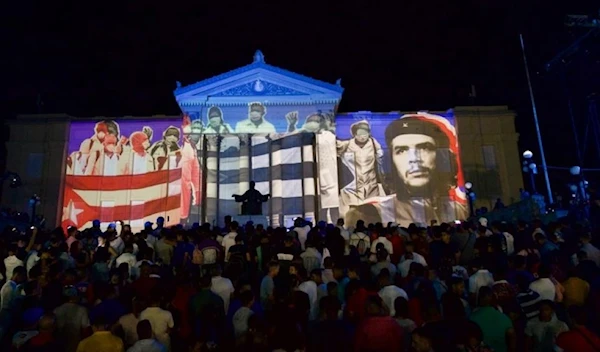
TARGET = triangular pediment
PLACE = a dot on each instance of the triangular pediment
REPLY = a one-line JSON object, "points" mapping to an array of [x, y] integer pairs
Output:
{"points": [[257, 81], [259, 87]]}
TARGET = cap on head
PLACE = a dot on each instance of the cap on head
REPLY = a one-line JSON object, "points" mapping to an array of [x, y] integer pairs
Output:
{"points": [[160, 220], [96, 223], [112, 225], [215, 111], [415, 124], [363, 125]]}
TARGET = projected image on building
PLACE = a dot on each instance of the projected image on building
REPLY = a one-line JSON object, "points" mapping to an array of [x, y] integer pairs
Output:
{"points": [[129, 170], [399, 168]]}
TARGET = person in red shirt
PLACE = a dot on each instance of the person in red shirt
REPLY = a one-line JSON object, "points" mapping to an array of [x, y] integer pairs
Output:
{"points": [[378, 331], [356, 298], [579, 338]]}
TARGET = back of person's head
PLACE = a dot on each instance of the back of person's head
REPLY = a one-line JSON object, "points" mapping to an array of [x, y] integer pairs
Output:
{"points": [[239, 239], [47, 322], [523, 283], [332, 288], [384, 277], [382, 254], [423, 339], [205, 282], [273, 265], [452, 306], [234, 226], [544, 271], [144, 329], [485, 296], [328, 263], [216, 270], [374, 306], [100, 322], [417, 269], [401, 307], [476, 264], [20, 273], [246, 298]]}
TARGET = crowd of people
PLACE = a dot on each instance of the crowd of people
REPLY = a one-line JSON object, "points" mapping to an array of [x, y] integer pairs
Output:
{"points": [[468, 286]]}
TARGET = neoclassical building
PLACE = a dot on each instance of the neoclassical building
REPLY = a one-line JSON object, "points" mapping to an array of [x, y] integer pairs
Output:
{"points": [[280, 129]]}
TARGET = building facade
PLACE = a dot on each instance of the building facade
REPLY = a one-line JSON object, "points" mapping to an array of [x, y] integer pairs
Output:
{"points": [[280, 129]]}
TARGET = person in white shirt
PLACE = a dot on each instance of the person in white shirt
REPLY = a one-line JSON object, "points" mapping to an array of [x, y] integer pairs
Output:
{"points": [[389, 292], [386, 243], [302, 229], [343, 230], [592, 252], [416, 257], [355, 240], [33, 257], [161, 321], [311, 258], [310, 288], [544, 285], [255, 123], [116, 242], [129, 324], [481, 277], [10, 291], [146, 342], [241, 316], [484, 222], [222, 287], [11, 262], [229, 239], [129, 258], [71, 232]]}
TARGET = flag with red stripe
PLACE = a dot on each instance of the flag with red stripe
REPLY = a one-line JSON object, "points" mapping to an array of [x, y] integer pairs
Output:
{"points": [[133, 199]]}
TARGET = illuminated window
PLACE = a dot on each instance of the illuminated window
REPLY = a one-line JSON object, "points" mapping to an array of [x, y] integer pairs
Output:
{"points": [[489, 157], [136, 218], [107, 212], [35, 162]]}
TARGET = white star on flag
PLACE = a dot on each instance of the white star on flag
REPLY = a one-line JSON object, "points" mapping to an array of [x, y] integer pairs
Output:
{"points": [[70, 212], [404, 124]]}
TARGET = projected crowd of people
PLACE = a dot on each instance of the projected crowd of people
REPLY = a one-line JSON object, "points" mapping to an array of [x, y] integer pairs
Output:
{"points": [[473, 286]]}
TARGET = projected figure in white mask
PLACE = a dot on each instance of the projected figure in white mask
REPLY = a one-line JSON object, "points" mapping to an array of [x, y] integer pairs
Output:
{"points": [[362, 156]]}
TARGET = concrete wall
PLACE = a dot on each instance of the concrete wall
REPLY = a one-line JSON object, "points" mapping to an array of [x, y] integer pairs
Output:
{"points": [[36, 151], [490, 128]]}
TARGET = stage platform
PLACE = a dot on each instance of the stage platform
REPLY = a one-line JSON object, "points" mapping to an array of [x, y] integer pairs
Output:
{"points": [[256, 219]]}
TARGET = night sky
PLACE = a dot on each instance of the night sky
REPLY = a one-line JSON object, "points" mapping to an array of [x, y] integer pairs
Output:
{"points": [[115, 61]]}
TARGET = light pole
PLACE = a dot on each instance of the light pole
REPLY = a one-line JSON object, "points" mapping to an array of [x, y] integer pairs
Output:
{"points": [[470, 196], [33, 203], [580, 185], [531, 168]]}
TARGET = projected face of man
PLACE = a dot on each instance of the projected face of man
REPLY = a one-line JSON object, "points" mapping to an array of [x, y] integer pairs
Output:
{"points": [[214, 122], [171, 139], [414, 156], [362, 136], [255, 116]]}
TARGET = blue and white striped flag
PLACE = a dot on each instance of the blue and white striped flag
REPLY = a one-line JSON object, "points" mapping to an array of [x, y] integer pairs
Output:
{"points": [[282, 166]]}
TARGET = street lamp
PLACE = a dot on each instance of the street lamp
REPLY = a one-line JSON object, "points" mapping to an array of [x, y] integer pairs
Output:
{"points": [[581, 184], [530, 167], [470, 198]]}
